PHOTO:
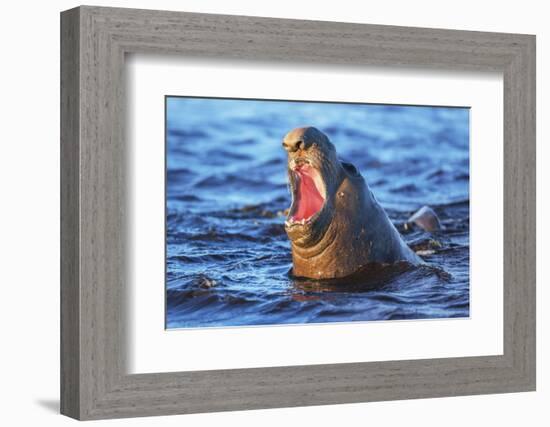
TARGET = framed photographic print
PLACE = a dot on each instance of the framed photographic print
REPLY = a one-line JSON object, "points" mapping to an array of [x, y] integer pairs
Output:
{"points": [[262, 213]]}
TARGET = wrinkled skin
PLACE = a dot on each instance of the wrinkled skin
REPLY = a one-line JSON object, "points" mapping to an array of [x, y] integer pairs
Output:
{"points": [[351, 230]]}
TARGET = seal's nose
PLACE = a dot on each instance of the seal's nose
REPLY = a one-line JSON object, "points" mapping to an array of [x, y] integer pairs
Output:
{"points": [[294, 145]]}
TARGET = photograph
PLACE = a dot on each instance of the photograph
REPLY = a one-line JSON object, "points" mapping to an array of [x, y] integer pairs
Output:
{"points": [[288, 212]]}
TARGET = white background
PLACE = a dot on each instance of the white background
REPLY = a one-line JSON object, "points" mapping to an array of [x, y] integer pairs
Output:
{"points": [[152, 349], [29, 214]]}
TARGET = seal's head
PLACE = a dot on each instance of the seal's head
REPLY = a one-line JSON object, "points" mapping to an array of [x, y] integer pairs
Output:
{"points": [[314, 172]]}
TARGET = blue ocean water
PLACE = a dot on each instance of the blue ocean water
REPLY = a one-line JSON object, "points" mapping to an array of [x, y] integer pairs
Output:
{"points": [[227, 253]]}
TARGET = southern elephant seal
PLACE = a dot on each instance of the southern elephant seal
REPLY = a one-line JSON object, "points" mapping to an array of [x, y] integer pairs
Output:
{"points": [[335, 225]]}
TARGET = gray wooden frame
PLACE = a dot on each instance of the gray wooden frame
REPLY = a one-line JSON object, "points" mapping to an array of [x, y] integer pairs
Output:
{"points": [[94, 41]]}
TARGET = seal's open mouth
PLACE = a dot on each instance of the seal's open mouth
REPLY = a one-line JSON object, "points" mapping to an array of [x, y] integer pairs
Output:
{"points": [[308, 193]]}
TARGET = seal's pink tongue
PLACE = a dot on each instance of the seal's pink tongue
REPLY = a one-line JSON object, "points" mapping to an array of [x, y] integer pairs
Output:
{"points": [[309, 199]]}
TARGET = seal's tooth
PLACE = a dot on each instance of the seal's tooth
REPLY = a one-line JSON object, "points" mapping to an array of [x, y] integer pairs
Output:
{"points": [[319, 184]]}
